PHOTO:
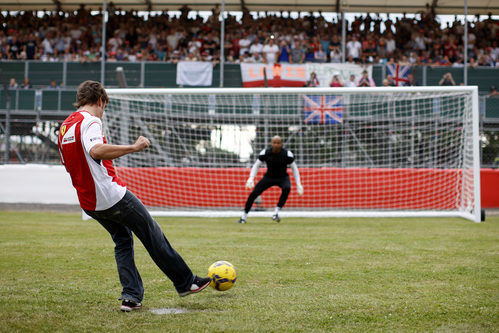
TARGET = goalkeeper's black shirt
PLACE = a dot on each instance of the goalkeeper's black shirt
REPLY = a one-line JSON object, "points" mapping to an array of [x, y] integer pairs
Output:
{"points": [[277, 164]]}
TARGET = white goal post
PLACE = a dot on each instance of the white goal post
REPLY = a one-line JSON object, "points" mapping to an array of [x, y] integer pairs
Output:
{"points": [[361, 152]]}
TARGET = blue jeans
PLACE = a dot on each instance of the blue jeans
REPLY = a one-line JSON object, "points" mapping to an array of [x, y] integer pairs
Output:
{"points": [[127, 216]]}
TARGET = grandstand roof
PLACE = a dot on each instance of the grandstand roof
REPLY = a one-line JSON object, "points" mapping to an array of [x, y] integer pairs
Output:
{"points": [[362, 6]]}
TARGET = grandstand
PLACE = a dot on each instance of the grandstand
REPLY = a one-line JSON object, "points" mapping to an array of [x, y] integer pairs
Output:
{"points": [[392, 117]]}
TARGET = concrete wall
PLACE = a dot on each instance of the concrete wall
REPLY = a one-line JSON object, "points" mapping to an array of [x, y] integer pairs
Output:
{"points": [[34, 183]]}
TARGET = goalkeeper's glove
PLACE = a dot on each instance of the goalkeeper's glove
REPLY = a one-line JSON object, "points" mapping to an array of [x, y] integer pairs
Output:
{"points": [[300, 189], [250, 183]]}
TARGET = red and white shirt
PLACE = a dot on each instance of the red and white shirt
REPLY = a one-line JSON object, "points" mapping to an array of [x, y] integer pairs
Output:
{"points": [[96, 183]]}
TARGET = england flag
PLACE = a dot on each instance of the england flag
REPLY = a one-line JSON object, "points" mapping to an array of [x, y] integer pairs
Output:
{"points": [[398, 72]]}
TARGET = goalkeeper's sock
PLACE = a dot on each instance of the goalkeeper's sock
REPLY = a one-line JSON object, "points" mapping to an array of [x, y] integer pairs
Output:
{"points": [[243, 217], [276, 210]]}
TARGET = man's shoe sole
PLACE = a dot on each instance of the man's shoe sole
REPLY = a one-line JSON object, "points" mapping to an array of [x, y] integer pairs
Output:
{"points": [[187, 293]]}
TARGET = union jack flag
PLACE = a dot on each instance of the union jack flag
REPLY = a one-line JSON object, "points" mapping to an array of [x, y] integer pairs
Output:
{"points": [[398, 72], [322, 109]]}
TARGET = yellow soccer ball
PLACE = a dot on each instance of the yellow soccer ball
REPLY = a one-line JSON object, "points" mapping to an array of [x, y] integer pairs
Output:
{"points": [[223, 275]]}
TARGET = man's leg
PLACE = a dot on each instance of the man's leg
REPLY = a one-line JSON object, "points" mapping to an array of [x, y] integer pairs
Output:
{"points": [[264, 184], [285, 186], [130, 279], [260, 187], [137, 218]]}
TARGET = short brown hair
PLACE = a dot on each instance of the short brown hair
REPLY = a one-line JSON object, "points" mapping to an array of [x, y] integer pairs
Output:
{"points": [[89, 92]]}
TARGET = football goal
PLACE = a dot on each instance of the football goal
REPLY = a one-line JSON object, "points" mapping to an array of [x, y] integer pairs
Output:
{"points": [[361, 151]]}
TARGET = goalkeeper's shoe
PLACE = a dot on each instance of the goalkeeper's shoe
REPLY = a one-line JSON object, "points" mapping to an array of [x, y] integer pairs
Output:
{"points": [[241, 220], [276, 218], [128, 305], [197, 285]]}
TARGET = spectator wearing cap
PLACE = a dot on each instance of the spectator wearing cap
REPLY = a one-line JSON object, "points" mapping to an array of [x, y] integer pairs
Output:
{"points": [[493, 92], [175, 57], [191, 57]]}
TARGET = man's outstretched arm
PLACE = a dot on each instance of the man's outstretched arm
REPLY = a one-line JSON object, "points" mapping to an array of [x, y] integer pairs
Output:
{"points": [[296, 174], [104, 151]]}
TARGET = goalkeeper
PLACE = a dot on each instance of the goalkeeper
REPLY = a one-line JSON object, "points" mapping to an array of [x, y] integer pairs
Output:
{"points": [[277, 159]]}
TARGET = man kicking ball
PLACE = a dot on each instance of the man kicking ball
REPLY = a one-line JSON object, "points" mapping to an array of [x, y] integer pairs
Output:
{"points": [[277, 159]]}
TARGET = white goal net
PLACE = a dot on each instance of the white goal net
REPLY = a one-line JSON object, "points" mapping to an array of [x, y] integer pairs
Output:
{"points": [[360, 151]]}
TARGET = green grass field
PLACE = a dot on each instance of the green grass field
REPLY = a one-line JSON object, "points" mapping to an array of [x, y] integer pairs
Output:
{"points": [[58, 273]]}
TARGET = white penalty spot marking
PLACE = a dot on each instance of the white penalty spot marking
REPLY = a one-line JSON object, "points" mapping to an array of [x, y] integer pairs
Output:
{"points": [[163, 311]]}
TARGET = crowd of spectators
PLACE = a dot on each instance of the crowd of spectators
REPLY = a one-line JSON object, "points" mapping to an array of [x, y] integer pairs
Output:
{"points": [[77, 36]]}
